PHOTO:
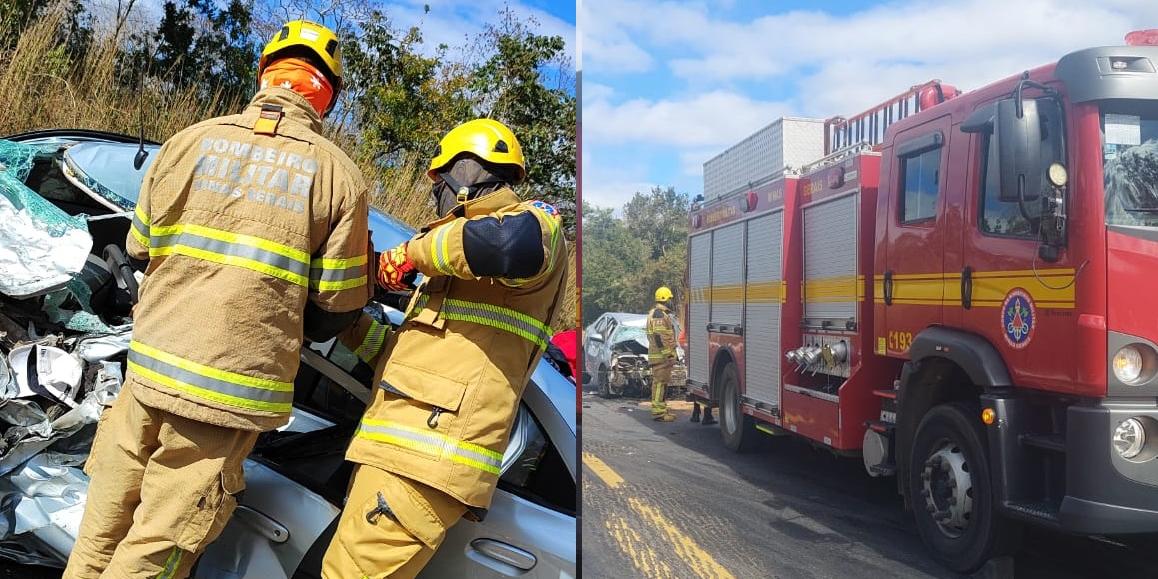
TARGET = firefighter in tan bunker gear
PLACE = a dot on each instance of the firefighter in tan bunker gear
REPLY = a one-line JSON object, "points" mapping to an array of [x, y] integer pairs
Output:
{"points": [[660, 352], [254, 230], [430, 445]]}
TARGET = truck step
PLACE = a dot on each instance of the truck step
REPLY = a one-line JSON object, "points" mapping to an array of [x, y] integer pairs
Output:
{"points": [[1037, 510], [884, 469], [1052, 442], [880, 426], [889, 393]]}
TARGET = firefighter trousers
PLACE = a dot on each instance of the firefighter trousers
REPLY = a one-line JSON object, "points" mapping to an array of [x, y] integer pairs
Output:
{"points": [[391, 527], [162, 488], [660, 377]]}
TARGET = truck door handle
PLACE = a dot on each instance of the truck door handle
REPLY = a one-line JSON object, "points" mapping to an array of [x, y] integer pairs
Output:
{"points": [[967, 287], [504, 553], [888, 287]]}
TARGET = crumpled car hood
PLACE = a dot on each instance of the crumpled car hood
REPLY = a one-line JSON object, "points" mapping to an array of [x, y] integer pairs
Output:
{"points": [[632, 344]]}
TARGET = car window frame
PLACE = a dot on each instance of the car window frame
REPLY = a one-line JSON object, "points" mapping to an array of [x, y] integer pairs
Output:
{"points": [[515, 448]]}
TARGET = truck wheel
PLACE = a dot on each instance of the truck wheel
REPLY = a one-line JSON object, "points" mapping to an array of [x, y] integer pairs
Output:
{"points": [[952, 495], [736, 427]]}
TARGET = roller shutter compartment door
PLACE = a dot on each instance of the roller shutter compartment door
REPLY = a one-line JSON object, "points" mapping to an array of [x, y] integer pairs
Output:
{"points": [[727, 274], [700, 281], [762, 314], [831, 287]]}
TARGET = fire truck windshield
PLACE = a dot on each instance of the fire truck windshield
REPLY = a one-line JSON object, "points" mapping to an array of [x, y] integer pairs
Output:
{"points": [[1130, 165]]}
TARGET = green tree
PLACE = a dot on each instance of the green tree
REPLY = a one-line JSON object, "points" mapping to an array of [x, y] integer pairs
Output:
{"points": [[626, 258], [198, 43], [612, 260], [73, 37], [403, 101], [660, 217], [527, 84]]}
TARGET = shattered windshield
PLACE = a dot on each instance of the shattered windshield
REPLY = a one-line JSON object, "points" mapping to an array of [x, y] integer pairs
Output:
{"points": [[1130, 166], [625, 333]]}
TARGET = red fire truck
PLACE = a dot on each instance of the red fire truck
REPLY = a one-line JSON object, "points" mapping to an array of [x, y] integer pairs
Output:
{"points": [[962, 292]]}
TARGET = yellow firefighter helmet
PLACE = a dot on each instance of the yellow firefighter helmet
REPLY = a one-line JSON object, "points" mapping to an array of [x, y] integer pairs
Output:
{"points": [[487, 139], [662, 294], [315, 39]]}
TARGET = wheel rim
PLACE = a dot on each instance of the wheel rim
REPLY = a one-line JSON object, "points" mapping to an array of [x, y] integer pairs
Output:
{"points": [[947, 488], [729, 409]]}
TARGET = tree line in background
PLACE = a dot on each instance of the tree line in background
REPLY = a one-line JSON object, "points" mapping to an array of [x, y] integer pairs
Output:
{"points": [[627, 256], [401, 95], [111, 65]]}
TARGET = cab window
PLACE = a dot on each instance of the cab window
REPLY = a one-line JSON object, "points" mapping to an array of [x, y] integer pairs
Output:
{"points": [[920, 174], [998, 217]]}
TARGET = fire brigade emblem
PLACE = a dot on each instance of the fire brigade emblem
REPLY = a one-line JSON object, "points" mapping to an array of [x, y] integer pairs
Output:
{"points": [[1018, 318]]}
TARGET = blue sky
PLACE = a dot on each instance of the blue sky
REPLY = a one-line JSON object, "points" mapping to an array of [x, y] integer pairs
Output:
{"points": [[667, 85]]}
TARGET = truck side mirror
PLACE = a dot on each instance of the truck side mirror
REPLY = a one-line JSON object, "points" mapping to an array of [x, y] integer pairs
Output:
{"points": [[1018, 139]]}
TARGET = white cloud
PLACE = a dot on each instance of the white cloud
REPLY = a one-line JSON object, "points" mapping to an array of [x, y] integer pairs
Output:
{"points": [[594, 91], [692, 162], [607, 46], [713, 118], [607, 183], [829, 64], [613, 193]]}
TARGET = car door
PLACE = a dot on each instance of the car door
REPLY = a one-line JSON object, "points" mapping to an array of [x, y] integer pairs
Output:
{"points": [[591, 345], [1020, 303], [529, 530], [913, 277]]}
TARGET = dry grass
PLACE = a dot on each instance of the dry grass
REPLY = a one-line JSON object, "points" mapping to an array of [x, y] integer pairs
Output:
{"points": [[45, 90]]}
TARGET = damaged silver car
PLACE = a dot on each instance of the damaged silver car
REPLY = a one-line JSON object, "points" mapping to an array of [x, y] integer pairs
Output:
{"points": [[615, 356], [66, 297]]}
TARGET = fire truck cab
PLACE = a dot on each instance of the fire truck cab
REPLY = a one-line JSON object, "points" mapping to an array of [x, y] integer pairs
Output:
{"points": [[955, 291]]}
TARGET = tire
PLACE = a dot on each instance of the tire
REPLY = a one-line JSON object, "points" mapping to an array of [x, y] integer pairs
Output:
{"points": [[737, 428], [950, 443]]}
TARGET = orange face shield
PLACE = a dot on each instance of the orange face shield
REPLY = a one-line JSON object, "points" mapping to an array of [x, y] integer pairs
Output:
{"points": [[303, 78]]}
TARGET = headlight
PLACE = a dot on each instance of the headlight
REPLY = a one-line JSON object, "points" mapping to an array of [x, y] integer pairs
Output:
{"points": [[1129, 437], [1128, 364]]}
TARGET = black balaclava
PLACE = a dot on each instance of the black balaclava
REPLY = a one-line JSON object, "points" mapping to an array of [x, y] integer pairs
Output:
{"points": [[465, 172]]}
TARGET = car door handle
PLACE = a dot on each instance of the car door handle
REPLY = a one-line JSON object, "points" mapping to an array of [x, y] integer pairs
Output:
{"points": [[504, 553]]}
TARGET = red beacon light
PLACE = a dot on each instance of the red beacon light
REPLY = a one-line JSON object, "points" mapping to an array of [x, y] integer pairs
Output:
{"points": [[1143, 37], [752, 199], [936, 93]]}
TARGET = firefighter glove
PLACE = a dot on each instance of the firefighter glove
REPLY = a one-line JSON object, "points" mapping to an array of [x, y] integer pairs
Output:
{"points": [[396, 271]]}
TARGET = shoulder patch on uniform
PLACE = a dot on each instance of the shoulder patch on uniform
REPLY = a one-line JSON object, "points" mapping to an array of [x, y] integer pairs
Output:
{"points": [[546, 208], [657, 313]]}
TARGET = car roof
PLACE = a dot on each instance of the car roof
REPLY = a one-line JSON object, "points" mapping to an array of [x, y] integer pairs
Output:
{"points": [[92, 152], [627, 319]]}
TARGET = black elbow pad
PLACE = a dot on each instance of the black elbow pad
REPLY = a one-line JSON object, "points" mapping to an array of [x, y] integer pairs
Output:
{"points": [[511, 248]]}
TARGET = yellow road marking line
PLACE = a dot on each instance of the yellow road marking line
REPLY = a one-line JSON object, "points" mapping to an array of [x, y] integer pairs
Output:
{"points": [[695, 556], [601, 470], [642, 556]]}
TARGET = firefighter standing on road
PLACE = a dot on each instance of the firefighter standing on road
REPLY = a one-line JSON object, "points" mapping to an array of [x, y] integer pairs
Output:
{"points": [[254, 228], [660, 352], [431, 442]]}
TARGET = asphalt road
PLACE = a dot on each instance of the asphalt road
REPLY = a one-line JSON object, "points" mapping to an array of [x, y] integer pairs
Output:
{"points": [[666, 500]]}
